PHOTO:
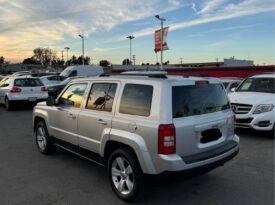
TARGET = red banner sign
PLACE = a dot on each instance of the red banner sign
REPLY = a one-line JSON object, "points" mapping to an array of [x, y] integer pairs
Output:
{"points": [[158, 40]]}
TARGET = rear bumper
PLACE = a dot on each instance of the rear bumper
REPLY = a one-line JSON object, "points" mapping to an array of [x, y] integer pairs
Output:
{"points": [[176, 163], [198, 170]]}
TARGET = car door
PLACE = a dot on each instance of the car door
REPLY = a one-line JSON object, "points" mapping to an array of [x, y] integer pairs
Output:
{"points": [[96, 116], [65, 115]]}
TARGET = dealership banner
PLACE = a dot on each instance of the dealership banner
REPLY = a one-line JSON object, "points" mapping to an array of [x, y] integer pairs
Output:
{"points": [[158, 40]]}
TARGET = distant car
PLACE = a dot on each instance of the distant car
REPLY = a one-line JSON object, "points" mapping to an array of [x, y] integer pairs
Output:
{"points": [[21, 73], [253, 102], [52, 79], [55, 89], [15, 89], [82, 70], [230, 83]]}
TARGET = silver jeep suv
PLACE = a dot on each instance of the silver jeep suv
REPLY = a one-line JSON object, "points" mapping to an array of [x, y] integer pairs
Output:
{"points": [[136, 125]]}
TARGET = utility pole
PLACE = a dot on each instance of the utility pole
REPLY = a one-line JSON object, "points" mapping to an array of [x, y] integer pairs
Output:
{"points": [[134, 59], [82, 37], [67, 48], [161, 50], [181, 61], [130, 38]]}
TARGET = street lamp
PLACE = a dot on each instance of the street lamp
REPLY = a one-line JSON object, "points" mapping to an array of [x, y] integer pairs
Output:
{"points": [[67, 48], [82, 37], [161, 26], [130, 38]]}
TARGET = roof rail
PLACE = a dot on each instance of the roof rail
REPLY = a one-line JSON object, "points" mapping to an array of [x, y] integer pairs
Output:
{"points": [[146, 75]]}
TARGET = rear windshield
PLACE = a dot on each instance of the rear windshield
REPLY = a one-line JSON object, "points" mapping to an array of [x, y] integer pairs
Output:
{"points": [[198, 99], [263, 85], [27, 82]]}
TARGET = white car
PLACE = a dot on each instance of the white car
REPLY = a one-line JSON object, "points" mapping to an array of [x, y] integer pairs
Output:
{"points": [[253, 102], [52, 79], [15, 89], [230, 83]]}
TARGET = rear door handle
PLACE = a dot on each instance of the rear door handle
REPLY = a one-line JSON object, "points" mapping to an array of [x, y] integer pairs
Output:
{"points": [[72, 116], [101, 122]]}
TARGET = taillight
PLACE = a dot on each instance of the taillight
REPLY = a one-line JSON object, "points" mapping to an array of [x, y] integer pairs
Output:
{"points": [[44, 89], [15, 90], [167, 139]]}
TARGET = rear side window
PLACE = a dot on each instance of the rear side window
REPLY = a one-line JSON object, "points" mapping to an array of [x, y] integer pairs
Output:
{"points": [[27, 82], [101, 97], [198, 99], [136, 99]]}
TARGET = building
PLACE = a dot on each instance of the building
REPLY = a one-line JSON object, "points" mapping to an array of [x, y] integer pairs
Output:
{"points": [[235, 62]]}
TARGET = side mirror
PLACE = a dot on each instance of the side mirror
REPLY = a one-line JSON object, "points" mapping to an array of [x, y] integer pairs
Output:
{"points": [[233, 89], [50, 101]]}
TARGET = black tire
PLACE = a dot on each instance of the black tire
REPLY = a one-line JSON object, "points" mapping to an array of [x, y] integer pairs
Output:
{"points": [[42, 139], [8, 104], [129, 159]]}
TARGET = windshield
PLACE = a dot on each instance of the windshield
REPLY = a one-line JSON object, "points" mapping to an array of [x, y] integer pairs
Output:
{"points": [[66, 73], [264, 85], [198, 99], [66, 81], [225, 84]]}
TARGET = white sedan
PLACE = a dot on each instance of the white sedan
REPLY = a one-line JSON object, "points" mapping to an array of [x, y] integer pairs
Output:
{"points": [[16, 89]]}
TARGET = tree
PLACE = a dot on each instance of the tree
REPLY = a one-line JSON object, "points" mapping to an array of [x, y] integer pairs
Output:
{"points": [[78, 61], [104, 63], [30, 61], [44, 55], [126, 62], [2, 60]]}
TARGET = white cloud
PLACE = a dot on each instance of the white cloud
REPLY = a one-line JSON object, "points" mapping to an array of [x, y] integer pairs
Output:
{"points": [[193, 6], [35, 23], [230, 11], [210, 6]]}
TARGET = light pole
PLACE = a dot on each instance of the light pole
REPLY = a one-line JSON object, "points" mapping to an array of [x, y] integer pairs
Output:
{"points": [[161, 26], [130, 38], [62, 55], [134, 59], [67, 48], [82, 37]]}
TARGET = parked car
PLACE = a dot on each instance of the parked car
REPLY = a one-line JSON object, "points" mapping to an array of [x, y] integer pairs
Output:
{"points": [[21, 73], [137, 125], [55, 89], [16, 89], [253, 102], [51, 79], [230, 83], [82, 70]]}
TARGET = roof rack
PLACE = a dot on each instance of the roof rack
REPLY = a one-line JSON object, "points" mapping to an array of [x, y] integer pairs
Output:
{"points": [[145, 74]]}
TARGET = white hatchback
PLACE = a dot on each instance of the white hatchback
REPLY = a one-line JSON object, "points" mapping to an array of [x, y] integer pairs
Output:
{"points": [[16, 89]]}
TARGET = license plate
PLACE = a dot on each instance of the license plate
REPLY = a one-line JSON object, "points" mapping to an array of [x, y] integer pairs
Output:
{"points": [[32, 99]]}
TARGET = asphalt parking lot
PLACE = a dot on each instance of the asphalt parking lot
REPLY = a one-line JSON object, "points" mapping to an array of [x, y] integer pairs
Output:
{"points": [[27, 177]]}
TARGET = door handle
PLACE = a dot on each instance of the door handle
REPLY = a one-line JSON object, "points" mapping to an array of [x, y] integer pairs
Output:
{"points": [[72, 116], [101, 122]]}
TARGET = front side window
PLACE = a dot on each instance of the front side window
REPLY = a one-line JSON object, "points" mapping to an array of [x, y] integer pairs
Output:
{"points": [[198, 99], [136, 99], [265, 85], [101, 97], [73, 96]]}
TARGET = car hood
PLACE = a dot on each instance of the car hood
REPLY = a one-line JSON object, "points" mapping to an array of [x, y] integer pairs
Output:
{"points": [[252, 98]]}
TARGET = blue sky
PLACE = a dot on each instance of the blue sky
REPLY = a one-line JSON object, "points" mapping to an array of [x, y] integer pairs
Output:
{"points": [[200, 30]]}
